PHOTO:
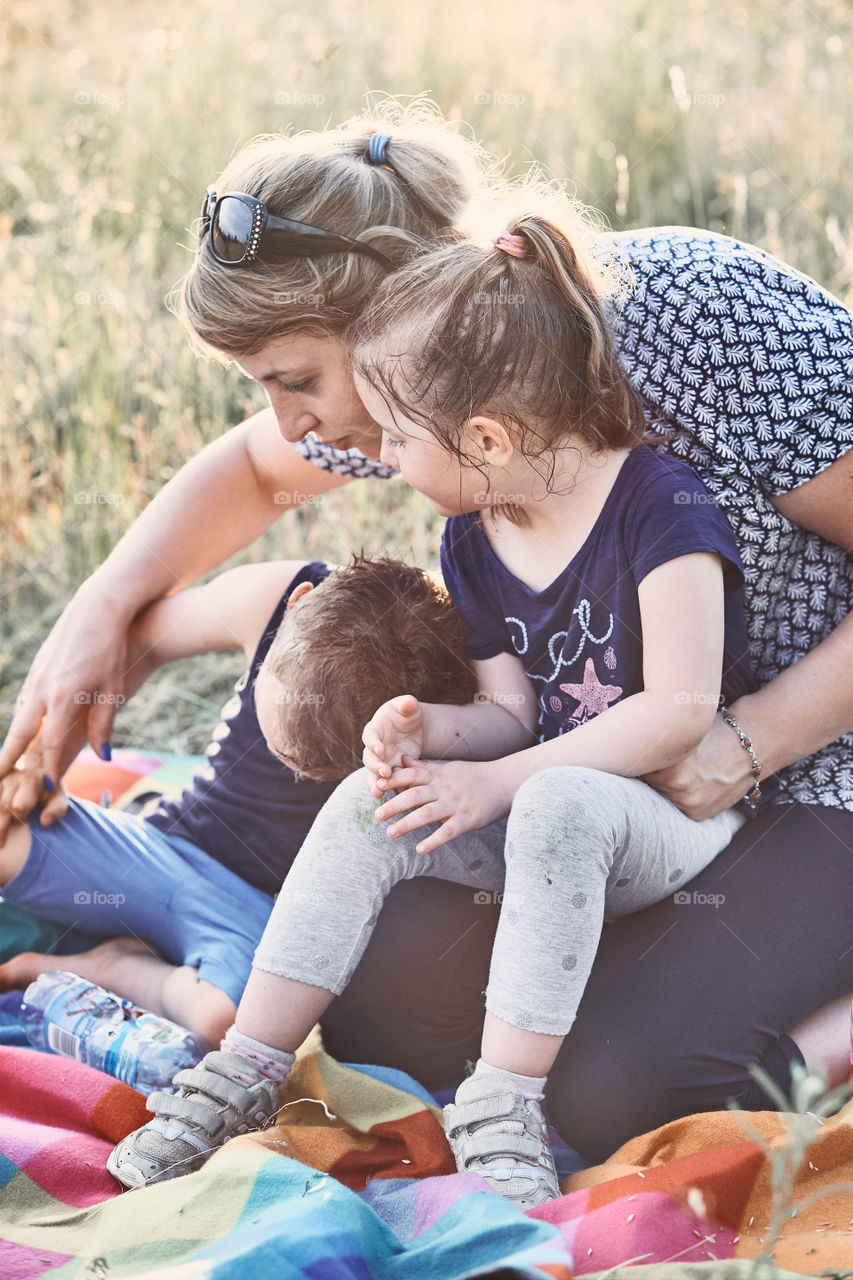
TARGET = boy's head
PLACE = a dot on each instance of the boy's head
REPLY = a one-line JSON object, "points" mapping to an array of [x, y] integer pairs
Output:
{"points": [[372, 630]]}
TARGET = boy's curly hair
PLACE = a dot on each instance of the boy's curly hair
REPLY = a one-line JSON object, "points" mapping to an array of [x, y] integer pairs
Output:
{"points": [[373, 629]]}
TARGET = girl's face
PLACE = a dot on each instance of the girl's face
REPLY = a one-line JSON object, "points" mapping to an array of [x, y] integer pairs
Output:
{"points": [[434, 471], [309, 383]]}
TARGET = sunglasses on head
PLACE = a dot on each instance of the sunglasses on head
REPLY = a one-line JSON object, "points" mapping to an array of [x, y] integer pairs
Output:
{"points": [[239, 226]]}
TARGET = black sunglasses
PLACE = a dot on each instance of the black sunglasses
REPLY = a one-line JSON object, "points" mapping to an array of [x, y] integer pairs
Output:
{"points": [[240, 225]]}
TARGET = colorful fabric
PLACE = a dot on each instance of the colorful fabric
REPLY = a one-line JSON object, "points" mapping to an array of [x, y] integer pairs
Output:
{"points": [[129, 774], [370, 1191]]}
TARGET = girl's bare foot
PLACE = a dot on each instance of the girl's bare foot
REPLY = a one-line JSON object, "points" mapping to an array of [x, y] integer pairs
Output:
{"points": [[96, 965]]}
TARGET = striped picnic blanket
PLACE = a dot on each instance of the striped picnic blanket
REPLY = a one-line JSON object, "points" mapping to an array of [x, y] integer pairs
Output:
{"points": [[358, 1182]]}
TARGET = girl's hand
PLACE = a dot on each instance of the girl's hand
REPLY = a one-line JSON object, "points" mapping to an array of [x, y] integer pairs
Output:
{"points": [[713, 777], [460, 794], [397, 729]]}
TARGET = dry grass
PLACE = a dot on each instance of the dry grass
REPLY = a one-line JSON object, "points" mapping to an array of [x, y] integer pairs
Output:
{"points": [[737, 117]]}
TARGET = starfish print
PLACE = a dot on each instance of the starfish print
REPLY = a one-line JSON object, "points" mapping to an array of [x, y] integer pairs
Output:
{"points": [[593, 696]]}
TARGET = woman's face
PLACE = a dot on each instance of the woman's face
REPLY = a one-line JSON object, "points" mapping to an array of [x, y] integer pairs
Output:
{"points": [[309, 382]]}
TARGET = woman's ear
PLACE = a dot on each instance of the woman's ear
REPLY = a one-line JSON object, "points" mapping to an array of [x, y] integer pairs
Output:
{"points": [[491, 440]]}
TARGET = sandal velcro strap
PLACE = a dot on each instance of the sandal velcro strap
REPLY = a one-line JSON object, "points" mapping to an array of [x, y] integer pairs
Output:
{"points": [[187, 1110], [511, 1173], [522, 1146], [215, 1086], [491, 1107]]}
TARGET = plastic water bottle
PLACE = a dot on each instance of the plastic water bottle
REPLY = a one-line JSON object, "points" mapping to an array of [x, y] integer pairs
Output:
{"points": [[78, 1019]]}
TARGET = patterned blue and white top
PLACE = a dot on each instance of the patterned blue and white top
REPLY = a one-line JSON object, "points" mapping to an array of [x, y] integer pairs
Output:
{"points": [[752, 363]]}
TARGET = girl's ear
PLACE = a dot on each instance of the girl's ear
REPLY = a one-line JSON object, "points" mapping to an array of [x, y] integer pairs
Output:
{"points": [[491, 440]]}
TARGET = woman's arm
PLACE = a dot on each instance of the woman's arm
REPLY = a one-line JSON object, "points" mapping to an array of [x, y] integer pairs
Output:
{"points": [[228, 613], [806, 707], [218, 503]]}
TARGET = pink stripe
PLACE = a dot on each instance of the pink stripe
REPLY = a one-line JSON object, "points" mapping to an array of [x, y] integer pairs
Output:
{"points": [[21, 1262]]}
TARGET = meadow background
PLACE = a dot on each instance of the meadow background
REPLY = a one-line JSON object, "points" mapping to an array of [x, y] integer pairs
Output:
{"points": [[733, 116]]}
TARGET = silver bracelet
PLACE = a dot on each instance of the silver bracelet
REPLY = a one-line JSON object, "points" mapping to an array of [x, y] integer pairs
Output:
{"points": [[753, 796]]}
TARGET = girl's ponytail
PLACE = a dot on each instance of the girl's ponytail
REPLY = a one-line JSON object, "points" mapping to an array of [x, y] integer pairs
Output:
{"points": [[545, 246], [517, 331]]}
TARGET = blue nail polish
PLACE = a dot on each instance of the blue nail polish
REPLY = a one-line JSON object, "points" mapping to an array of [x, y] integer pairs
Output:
{"points": [[106, 751], [48, 784]]}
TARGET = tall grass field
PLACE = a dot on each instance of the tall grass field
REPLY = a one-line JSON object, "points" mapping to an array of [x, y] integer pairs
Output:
{"points": [[736, 116]]}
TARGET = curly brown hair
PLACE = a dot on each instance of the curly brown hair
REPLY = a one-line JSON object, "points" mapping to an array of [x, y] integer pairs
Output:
{"points": [[373, 629]]}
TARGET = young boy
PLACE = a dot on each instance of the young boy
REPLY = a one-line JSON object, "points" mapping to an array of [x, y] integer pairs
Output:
{"points": [[190, 884]]}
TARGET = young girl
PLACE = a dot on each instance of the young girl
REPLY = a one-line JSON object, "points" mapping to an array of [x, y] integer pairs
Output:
{"points": [[599, 584]]}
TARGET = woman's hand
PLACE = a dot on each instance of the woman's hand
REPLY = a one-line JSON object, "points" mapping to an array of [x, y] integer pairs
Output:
{"points": [[77, 679], [73, 689], [23, 790], [396, 729], [714, 776], [460, 794]]}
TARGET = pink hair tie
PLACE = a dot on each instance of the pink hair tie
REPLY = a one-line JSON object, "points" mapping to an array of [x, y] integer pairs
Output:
{"points": [[516, 246]]}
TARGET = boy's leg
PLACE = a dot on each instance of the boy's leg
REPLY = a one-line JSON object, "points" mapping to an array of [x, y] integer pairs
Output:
{"points": [[15, 851], [134, 970], [129, 966], [114, 874]]}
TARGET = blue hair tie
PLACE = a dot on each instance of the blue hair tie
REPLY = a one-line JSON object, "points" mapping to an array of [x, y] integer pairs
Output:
{"points": [[378, 144]]}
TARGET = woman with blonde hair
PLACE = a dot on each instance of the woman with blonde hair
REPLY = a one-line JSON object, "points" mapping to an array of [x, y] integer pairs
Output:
{"points": [[743, 367]]}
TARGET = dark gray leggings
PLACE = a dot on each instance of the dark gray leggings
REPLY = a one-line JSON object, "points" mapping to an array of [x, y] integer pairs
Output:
{"points": [[682, 999]]}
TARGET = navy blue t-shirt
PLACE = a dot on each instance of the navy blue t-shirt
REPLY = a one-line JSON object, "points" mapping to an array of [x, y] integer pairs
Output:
{"points": [[244, 807], [579, 639]]}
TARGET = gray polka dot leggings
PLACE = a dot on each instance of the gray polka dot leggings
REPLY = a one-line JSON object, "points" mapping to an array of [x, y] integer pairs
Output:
{"points": [[578, 848]]}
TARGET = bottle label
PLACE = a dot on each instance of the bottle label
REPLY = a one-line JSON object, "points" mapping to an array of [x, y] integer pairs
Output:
{"points": [[62, 1041], [123, 1061], [81, 1020]]}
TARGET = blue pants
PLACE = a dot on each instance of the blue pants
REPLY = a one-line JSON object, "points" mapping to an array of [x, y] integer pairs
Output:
{"points": [[114, 873]]}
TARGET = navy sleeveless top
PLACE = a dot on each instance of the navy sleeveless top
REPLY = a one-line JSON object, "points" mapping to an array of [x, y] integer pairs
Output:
{"points": [[244, 807]]}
